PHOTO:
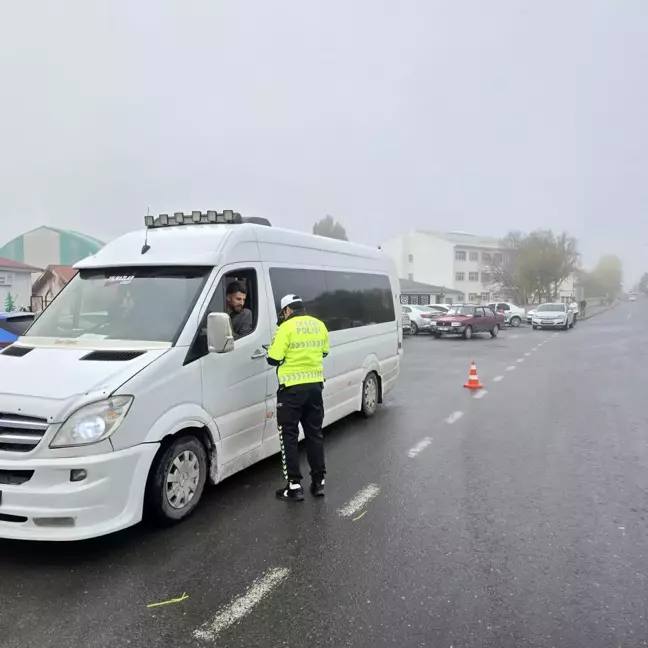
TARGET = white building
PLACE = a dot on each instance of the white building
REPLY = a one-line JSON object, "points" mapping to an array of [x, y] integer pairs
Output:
{"points": [[15, 284], [454, 259], [417, 293]]}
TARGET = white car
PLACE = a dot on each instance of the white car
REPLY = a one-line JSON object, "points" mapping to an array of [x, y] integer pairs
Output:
{"points": [[407, 324], [553, 316], [513, 315], [421, 316], [530, 313]]}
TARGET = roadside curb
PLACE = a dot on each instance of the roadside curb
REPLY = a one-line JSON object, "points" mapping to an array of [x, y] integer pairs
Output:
{"points": [[599, 312]]}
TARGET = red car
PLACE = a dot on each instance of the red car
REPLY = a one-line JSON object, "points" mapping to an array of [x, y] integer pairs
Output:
{"points": [[466, 320]]}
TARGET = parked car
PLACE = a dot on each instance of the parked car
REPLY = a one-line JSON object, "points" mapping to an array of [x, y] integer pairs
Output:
{"points": [[633, 297], [530, 313], [553, 316], [468, 319], [12, 326], [513, 315], [407, 324], [420, 317]]}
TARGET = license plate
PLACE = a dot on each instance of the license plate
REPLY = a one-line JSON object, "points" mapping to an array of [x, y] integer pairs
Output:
{"points": [[443, 328]]}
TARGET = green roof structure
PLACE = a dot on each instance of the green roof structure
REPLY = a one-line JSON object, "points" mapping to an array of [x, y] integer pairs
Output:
{"points": [[73, 246]]}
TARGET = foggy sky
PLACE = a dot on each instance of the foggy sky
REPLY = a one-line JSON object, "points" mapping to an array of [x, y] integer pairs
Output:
{"points": [[475, 116]]}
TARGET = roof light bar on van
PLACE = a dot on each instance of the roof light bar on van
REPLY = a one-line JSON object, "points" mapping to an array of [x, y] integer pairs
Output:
{"points": [[226, 217]]}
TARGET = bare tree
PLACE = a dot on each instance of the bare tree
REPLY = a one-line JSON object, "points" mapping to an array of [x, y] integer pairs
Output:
{"points": [[534, 266]]}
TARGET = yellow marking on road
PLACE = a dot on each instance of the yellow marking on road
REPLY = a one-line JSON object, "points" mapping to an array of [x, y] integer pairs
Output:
{"points": [[184, 597], [359, 516]]}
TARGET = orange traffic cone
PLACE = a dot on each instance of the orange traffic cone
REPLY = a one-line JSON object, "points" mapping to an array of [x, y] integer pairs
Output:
{"points": [[473, 378]]}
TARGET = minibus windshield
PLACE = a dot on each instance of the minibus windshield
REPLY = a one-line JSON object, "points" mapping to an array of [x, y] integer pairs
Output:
{"points": [[143, 304]]}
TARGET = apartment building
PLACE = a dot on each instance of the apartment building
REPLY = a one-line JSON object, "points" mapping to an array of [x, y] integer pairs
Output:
{"points": [[454, 259]]}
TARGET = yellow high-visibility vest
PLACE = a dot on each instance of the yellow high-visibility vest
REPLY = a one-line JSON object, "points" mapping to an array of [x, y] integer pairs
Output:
{"points": [[300, 345]]}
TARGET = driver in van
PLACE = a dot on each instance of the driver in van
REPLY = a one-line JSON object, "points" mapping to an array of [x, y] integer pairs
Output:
{"points": [[241, 317]]}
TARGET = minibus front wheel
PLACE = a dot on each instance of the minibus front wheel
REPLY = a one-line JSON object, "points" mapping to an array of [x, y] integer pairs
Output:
{"points": [[177, 480]]}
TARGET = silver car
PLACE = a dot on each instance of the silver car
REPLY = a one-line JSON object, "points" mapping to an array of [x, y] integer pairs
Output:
{"points": [[407, 324], [553, 316], [422, 316]]}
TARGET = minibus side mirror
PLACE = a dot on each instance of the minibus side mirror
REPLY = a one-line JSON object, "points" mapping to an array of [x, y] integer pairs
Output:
{"points": [[219, 333]]}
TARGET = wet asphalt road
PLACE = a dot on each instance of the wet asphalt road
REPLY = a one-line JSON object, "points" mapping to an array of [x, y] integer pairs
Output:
{"points": [[516, 519]]}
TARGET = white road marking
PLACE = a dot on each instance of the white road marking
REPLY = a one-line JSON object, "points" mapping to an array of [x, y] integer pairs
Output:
{"points": [[513, 337], [454, 417], [242, 605], [527, 354], [511, 368], [419, 447], [519, 360], [629, 315], [481, 393], [357, 502], [535, 348], [498, 378]]}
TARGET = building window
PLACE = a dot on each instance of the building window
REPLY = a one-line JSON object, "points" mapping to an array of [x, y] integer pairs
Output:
{"points": [[486, 257], [485, 297], [473, 276], [410, 258], [474, 256], [460, 255], [473, 297], [487, 277], [448, 301], [460, 276], [497, 258]]}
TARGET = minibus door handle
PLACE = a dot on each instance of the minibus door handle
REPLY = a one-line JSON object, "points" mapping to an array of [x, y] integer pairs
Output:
{"points": [[258, 354]]}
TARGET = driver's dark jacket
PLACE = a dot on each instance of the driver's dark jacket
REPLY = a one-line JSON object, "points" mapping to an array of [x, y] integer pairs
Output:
{"points": [[242, 323]]}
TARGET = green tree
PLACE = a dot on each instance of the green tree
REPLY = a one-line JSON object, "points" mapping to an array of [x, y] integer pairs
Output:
{"points": [[10, 303], [608, 275], [643, 283], [329, 227]]}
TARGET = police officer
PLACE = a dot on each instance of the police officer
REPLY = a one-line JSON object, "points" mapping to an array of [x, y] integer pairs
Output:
{"points": [[297, 351]]}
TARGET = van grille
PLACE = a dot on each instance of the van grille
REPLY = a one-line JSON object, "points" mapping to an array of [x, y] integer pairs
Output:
{"points": [[21, 433]]}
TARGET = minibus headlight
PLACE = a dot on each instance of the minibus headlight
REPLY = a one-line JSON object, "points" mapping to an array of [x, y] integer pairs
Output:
{"points": [[93, 423]]}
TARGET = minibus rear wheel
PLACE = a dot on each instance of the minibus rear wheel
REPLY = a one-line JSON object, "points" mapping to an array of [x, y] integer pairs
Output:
{"points": [[176, 481]]}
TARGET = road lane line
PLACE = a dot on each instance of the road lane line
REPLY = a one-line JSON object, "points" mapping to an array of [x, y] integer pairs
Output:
{"points": [[481, 393], [357, 502], [454, 417], [527, 354], [629, 315], [498, 378], [511, 368], [419, 447], [242, 605], [519, 360]]}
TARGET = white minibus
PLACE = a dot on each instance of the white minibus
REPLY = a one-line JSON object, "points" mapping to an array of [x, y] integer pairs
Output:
{"points": [[128, 394]]}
